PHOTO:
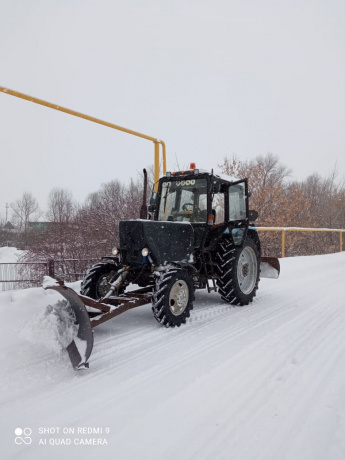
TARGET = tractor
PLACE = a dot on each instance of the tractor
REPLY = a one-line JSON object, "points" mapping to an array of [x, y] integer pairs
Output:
{"points": [[198, 236]]}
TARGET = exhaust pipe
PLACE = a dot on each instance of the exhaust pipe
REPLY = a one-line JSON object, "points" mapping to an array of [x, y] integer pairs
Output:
{"points": [[143, 209]]}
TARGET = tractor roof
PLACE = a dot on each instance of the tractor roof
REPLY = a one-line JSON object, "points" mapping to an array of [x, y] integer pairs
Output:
{"points": [[197, 172]]}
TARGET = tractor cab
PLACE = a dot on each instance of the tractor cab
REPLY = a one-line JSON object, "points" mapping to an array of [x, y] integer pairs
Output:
{"points": [[201, 197]]}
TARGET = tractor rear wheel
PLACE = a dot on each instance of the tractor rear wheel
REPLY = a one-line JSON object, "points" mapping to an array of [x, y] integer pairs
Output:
{"points": [[173, 297], [96, 283], [239, 272]]}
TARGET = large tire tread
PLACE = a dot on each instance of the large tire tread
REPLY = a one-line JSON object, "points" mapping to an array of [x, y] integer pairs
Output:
{"points": [[160, 298], [228, 287]]}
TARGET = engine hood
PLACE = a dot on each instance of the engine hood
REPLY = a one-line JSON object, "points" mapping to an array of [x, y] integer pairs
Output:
{"points": [[166, 241]]}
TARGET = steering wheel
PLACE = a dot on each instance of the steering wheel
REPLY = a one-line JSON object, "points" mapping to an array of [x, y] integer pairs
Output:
{"points": [[184, 206]]}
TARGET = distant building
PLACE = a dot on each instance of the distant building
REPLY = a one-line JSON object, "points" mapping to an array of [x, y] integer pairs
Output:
{"points": [[41, 225], [9, 226]]}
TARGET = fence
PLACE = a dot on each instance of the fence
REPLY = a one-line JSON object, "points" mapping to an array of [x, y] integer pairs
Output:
{"points": [[71, 269], [30, 274], [283, 231], [22, 275]]}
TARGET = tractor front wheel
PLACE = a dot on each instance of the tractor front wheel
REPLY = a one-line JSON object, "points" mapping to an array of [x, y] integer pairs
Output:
{"points": [[96, 283], [173, 297]]}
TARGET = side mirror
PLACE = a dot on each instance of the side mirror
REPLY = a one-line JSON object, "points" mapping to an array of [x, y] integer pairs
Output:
{"points": [[151, 208], [253, 215], [153, 199]]}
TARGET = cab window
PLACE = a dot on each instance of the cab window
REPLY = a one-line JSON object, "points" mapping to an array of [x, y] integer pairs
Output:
{"points": [[183, 201], [237, 202], [218, 208]]}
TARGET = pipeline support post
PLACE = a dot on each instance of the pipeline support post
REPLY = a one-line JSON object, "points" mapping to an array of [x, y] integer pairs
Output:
{"points": [[283, 243], [51, 268], [341, 241], [164, 157], [156, 165]]}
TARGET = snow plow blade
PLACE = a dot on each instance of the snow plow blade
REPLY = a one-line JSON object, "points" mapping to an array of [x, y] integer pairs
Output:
{"points": [[79, 350], [269, 267]]}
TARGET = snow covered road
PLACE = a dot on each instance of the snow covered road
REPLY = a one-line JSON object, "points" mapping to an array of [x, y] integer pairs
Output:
{"points": [[266, 381]]}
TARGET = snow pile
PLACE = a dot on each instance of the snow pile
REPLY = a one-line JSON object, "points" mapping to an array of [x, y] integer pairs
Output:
{"points": [[48, 282], [10, 255], [54, 328]]}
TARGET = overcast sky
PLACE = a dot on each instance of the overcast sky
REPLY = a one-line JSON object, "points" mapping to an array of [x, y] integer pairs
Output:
{"points": [[210, 78]]}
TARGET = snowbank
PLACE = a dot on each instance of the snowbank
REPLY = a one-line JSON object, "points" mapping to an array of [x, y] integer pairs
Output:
{"points": [[10, 255]]}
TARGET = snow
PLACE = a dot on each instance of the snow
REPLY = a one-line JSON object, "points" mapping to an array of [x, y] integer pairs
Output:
{"points": [[49, 282], [265, 381], [228, 178], [267, 271], [10, 255], [221, 176]]}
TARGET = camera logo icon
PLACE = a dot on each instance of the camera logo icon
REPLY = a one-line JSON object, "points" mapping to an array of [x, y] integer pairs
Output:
{"points": [[23, 436]]}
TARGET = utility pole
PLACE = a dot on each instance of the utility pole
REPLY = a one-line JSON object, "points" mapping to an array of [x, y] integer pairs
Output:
{"points": [[6, 211]]}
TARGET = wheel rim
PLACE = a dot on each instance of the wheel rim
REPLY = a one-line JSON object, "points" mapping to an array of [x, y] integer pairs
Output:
{"points": [[247, 268], [178, 297], [103, 285]]}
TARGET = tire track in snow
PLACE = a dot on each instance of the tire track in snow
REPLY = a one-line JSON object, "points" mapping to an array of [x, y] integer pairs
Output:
{"points": [[252, 407], [201, 348], [201, 321], [306, 348], [254, 387]]}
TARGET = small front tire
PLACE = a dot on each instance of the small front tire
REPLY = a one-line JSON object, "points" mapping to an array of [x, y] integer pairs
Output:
{"points": [[173, 297], [96, 282]]}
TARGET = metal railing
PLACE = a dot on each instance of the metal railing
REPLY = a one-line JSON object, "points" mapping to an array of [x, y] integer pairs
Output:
{"points": [[71, 270], [21, 275], [283, 231]]}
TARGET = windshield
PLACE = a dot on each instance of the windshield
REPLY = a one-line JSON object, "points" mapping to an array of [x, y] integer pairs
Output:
{"points": [[184, 200]]}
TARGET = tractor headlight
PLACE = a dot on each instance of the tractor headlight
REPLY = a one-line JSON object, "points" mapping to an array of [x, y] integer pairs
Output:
{"points": [[115, 251], [145, 252]]}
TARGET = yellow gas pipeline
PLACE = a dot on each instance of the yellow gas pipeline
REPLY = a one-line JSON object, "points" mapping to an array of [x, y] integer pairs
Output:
{"points": [[156, 142]]}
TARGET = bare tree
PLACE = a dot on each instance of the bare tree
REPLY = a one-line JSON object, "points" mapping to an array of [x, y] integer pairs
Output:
{"points": [[60, 214], [267, 183], [23, 208], [315, 202], [278, 202], [60, 206]]}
